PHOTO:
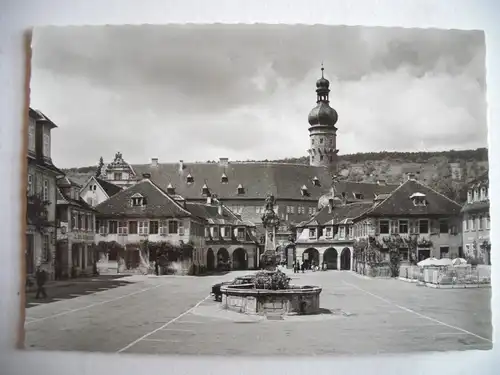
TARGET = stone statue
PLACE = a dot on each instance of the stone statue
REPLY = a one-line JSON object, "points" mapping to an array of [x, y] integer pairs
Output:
{"points": [[270, 221]]}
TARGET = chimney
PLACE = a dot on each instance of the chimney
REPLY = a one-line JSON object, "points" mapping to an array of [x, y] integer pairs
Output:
{"points": [[209, 200], [181, 165], [220, 208], [146, 175], [223, 162], [330, 206], [154, 162]]}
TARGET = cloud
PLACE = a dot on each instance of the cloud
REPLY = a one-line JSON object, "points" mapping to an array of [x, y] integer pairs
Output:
{"points": [[244, 92]]}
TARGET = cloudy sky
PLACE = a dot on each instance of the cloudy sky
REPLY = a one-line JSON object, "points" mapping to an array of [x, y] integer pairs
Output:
{"points": [[198, 93]]}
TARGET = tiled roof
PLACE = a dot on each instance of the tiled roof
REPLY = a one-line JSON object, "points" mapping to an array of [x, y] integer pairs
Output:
{"points": [[482, 179], [399, 202], [158, 203], [339, 214], [63, 199], [108, 187], [368, 190], [284, 181], [44, 163], [476, 206], [210, 212]]}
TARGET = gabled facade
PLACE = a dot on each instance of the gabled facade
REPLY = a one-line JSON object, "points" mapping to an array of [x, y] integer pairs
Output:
{"points": [[217, 238], [120, 172], [75, 253], [41, 195], [327, 238], [427, 222], [143, 212], [230, 242], [96, 190], [476, 221]]}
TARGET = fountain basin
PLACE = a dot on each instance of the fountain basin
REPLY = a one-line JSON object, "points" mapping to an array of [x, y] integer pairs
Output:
{"points": [[295, 300]]}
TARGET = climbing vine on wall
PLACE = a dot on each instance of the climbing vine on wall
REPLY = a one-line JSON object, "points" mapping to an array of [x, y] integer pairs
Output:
{"points": [[394, 244]]}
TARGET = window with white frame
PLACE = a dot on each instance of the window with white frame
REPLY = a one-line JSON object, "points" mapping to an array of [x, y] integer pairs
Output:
{"points": [[483, 193], [383, 226], [46, 248], [112, 227], [226, 232], [480, 222], [423, 226], [342, 231], [403, 226], [469, 196], [46, 145], [487, 222], [181, 227], [143, 227], [241, 233], [312, 232], [476, 195], [172, 226], [394, 226], [465, 224], [292, 209], [122, 227], [472, 223], [45, 192], [328, 232], [154, 227]]}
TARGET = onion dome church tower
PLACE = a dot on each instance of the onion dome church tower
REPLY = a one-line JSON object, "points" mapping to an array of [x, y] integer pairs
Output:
{"points": [[322, 132]]}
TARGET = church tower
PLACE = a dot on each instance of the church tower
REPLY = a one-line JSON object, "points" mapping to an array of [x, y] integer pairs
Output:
{"points": [[322, 131]]}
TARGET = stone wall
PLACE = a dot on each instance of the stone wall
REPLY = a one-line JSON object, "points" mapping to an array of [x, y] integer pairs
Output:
{"points": [[255, 301]]}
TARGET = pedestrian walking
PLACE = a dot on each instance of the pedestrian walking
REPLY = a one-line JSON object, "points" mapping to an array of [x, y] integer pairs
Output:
{"points": [[41, 278], [157, 268], [302, 267]]}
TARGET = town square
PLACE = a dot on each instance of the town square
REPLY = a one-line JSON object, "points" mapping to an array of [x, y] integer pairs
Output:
{"points": [[287, 252], [175, 315]]}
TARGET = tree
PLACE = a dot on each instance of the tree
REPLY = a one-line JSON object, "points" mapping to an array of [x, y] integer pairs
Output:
{"points": [[98, 172]]}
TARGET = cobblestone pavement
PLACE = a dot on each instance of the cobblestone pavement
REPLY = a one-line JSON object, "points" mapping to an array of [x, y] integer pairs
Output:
{"points": [[174, 315]]}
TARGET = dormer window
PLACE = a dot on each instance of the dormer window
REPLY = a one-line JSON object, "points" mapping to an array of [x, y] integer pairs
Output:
{"points": [[315, 181], [469, 196], [418, 199], [358, 195], [304, 191], [484, 196], [205, 190], [224, 179], [241, 190], [189, 179], [137, 200], [170, 189]]}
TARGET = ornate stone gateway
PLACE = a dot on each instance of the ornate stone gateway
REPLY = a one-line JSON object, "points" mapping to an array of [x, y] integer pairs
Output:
{"points": [[270, 221]]}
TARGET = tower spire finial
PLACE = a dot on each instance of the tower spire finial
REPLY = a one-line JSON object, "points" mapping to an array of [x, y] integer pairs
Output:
{"points": [[322, 69]]}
